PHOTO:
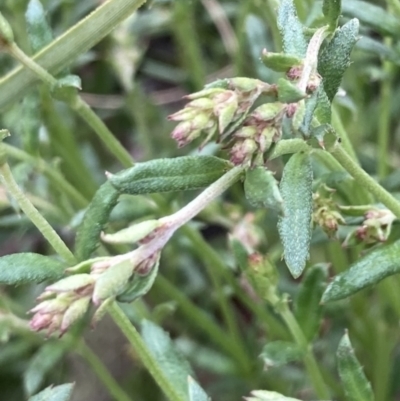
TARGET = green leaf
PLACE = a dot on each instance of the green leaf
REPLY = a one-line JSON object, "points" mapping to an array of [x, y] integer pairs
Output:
{"points": [[374, 16], [307, 308], [288, 92], [39, 31], [374, 267], [41, 364], [279, 353], [167, 175], [335, 57], [173, 365], [94, 220], [355, 384], [280, 62], [139, 285], [261, 188], [6, 32], [58, 393], [196, 393], [66, 88], [323, 111], [240, 253], [294, 42], [332, 10], [295, 225], [23, 268]]}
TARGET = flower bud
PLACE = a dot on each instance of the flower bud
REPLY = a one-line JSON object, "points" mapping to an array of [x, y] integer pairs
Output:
{"points": [[40, 321], [226, 115], [242, 151], [269, 135], [185, 114], [72, 283], [268, 111], [207, 92], [203, 103], [246, 132], [53, 306], [76, 310], [144, 267], [243, 84], [112, 281]]}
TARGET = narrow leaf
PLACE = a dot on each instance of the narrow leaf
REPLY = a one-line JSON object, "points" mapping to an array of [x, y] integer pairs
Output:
{"points": [[58, 393], [240, 253], [173, 365], [355, 384], [261, 188], [291, 29], [335, 57], [40, 365], [307, 308], [94, 220], [280, 62], [39, 31], [374, 16], [196, 393], [279, 353], [22, 268], [264, 395], [295, 225], [331, 10], [374, 267], [167, 175], [139, 285]]}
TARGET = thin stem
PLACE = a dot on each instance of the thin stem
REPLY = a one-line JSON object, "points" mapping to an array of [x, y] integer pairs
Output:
{"points": [[346, 143], [366, 181], [102, 373], [34, 215], [143, 352], [313, 370], [66, 48], [79, 105], [107, 137], [194, 207], [383, 133], [54, 176]]}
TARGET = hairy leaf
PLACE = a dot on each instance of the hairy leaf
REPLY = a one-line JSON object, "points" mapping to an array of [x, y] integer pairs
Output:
{"points": [[331, 10], [94, 220], [196, 393], [335, 57], [39, 31], [355, 384], [294, 42], [374, 267], [57, 393], [279, 353], [295, 225], [22, 268], [167, 175]]}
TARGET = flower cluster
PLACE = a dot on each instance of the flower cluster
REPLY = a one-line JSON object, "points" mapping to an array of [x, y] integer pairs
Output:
{"points": [[326, 213], [376, 227], [220, 109], [69, 299]]}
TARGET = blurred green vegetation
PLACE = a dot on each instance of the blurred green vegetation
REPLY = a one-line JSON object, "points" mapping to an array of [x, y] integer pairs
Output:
{"points": [[133, 79]]}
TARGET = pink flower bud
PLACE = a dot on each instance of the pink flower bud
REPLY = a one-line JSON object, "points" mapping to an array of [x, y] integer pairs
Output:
{"points": [[76, 310], [40, 321], [242, 151]]}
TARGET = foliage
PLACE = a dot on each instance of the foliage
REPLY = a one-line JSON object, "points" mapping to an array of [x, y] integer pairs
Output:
{"points": [[240, 227]]}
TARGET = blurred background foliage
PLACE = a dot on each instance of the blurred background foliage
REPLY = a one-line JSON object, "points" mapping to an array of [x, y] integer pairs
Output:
{"points": [[133, 79]]}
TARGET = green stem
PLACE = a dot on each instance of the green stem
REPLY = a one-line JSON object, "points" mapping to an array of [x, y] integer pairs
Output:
{"points": [[200, 319], [310, 363], [383, 132], [66, 48], [77, 104], [53, 175], [339, 128], [143, 352], [34, 215], [188, 42], [107, 137], [102, 373], [366, 181]]}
